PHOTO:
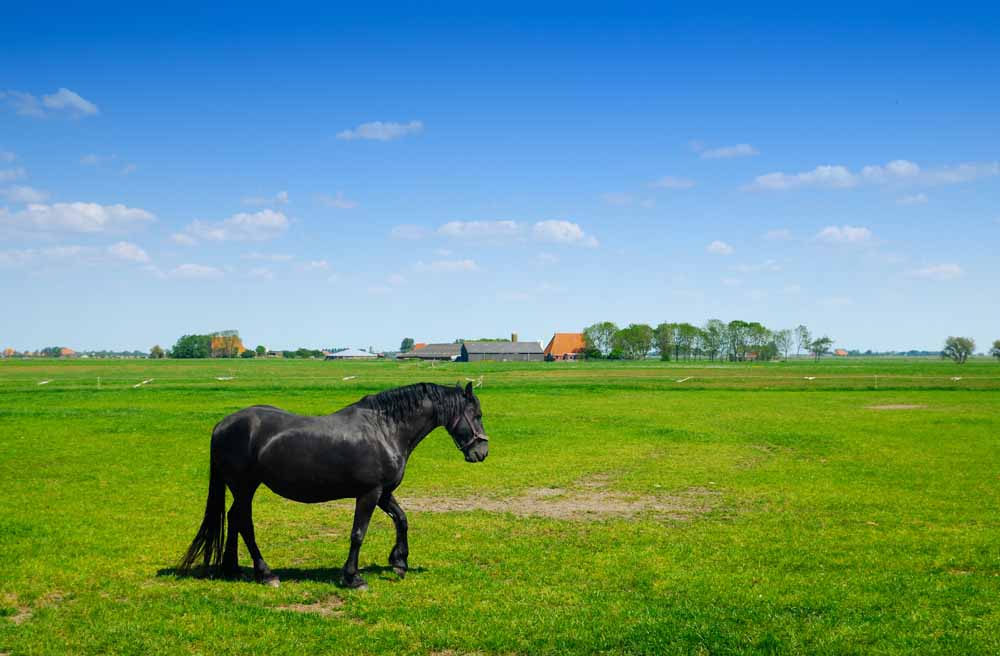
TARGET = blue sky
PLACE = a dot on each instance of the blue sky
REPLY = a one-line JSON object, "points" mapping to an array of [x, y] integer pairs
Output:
{"points": [[312, 176]]}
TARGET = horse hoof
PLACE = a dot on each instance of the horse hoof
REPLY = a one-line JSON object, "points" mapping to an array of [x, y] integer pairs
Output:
{"points": [[357, 583], [271, 582], [400, 572]]}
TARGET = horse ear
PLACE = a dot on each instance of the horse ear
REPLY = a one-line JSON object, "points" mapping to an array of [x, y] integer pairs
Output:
{"points": [[468, 391]]}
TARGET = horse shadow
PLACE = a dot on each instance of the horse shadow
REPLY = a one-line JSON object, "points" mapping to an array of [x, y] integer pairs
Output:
{"points": [[329, 575]]}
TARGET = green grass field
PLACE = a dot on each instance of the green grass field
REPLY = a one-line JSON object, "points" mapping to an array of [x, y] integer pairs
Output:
{"points": [[776, 514]]}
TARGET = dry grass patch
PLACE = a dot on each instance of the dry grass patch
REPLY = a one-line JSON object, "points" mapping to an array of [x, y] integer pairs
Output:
{"points": [[896, 406], [588, 500], [329, 607]]}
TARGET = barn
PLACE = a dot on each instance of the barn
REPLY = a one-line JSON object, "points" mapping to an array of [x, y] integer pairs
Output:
{"points": [[351, 354], [566, 346], [501, 352], [433, 352]]}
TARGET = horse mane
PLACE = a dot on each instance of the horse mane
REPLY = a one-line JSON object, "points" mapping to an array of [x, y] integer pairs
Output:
{"points": [[402, 402]]}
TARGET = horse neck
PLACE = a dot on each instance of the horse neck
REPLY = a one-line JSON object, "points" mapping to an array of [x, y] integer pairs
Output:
{"points": [[411, 432]]}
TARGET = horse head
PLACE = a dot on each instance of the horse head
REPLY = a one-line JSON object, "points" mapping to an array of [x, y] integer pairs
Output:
{"points": [[466, 427]]}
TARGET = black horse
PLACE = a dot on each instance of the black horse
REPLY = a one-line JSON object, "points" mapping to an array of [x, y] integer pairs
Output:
{"points": [[359, 451]]}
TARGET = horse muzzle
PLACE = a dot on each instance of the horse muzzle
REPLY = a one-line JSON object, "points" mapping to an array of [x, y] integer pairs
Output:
{"points": [[477, 451]]}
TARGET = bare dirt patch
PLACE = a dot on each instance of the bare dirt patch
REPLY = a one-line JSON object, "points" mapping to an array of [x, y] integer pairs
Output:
{"points": [[588, 500], [24, 613], [896, 406], [329, 607]]}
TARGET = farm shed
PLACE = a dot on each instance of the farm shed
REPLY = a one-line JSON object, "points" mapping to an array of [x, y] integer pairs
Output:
{"points": [[433, 352], [566, 346], [502, 352], [351, 354]]}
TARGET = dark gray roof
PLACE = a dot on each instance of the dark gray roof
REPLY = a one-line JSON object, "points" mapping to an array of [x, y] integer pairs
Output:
{"points": [[434, 351], [503, 347]]}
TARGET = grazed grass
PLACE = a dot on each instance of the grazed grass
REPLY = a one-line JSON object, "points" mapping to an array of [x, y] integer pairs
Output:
{"points": [[831, 527]]}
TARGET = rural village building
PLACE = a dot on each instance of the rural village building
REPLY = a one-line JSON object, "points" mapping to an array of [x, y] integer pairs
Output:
{"points": [[351, 354], [502, 352], [433, 352], [566, 346]]}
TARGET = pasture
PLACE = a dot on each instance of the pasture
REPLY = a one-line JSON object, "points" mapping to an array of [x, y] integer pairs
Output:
{"points": [[847, 506]]}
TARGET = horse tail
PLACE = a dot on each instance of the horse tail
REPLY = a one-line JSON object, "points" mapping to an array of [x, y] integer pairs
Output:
{"points": [[211, 537]]}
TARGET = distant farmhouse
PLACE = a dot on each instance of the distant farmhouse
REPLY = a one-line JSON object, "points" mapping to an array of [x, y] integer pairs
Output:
{"points": [[432, 352], [566, 346], [351, 354], [501, 351]]}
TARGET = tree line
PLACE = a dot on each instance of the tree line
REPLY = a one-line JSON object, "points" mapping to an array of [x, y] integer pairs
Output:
{"points": [[735, 341]]}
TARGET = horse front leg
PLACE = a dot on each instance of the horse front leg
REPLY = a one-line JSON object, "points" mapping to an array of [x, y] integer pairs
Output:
{"points": [[363, 509], [401, 550]]}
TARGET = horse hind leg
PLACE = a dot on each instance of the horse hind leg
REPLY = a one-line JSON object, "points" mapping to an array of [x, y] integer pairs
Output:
{"points": [[230, 557], [401, 550], [244, 518]]}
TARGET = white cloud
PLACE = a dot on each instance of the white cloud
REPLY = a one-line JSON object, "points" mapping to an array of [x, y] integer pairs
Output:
{"points": [[617, 198], [61, 103], [256, 226], [779, 234], [128, 169], [671, 182], [767, 266], [315, 265], [563, 232], [79, 217], [280, 198], [262, 273], [408, 232], [844, 235], [480, 229], [183, 240], [22, 195], [90, 160], [728, 152], [896, 172], [833, 177], [196, 272], [939, 272], [17, 258], [914, 199], [379, 131], [337, 201], [128, 251], [447, 266], [269, 257], [720, 248], [396, 279], [7, 156], [6, 175]]}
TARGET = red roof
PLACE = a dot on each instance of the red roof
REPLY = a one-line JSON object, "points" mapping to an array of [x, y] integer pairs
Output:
{"points": [[564, 343], [418, 345]]}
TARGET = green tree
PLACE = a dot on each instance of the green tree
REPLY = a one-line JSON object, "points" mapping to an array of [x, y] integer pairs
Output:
{"points": [[663, 338], [959, 348], [599, 338], [157, 352], [783, 341], [995, 351], [192, 346], [248, 354], [713, 336], [634, 341], [820, 347], [260, 350], [802, 339], [406, 345]]}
